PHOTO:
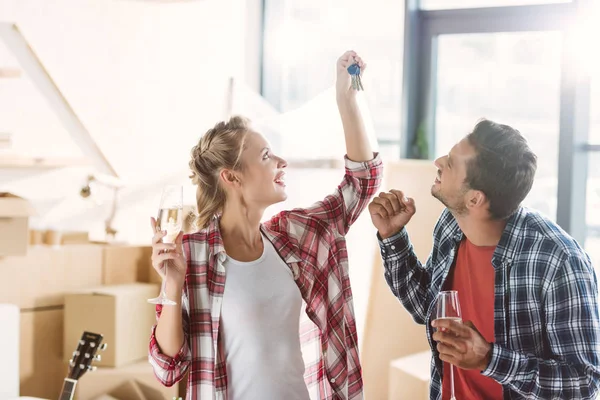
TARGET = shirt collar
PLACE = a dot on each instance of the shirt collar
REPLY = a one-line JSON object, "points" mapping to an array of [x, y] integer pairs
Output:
{"points": [[216, 247], [509, 244]]}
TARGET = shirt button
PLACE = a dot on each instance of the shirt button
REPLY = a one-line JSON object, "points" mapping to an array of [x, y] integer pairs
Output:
{"points": [[393, 247], [332, 380]]}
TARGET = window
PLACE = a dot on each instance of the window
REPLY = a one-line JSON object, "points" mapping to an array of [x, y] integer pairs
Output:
{"points": [[511, 78], [453, 4], [595, 111], [592, 243], [303, 40]]}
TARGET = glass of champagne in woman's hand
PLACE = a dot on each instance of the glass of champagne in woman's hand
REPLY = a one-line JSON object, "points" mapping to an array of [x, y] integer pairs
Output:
{"points": [[170, 219], [448, 307]]}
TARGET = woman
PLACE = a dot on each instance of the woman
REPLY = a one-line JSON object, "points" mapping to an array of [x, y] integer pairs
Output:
{"points": [[236, 329]]}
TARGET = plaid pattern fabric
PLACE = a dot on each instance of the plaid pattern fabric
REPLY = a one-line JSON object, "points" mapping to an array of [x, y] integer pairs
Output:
{"points": [[545, 314], [311, 242]]}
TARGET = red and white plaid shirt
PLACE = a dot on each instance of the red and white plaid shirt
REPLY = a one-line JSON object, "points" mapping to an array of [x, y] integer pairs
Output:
{"points": [[311, 242]]}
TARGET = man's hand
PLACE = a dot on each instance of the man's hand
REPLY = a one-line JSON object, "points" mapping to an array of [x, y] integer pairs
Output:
{"points": [[390, 212], [461, 344], [343, 86]]}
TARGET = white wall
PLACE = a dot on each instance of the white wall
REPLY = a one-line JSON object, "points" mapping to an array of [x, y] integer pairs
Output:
{"points": [[145, 78]]}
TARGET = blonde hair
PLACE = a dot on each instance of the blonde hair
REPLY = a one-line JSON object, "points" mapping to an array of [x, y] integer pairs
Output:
{"points": [[220, 147]]}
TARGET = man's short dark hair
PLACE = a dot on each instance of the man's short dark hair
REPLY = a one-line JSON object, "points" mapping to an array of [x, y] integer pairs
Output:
{"points": [[503, 168]]}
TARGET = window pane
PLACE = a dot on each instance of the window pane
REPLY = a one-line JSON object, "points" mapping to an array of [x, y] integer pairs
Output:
{"points": [[595, 113], [389, 151], [592, 243], [510, 78], [453, 4], [308, 36]]}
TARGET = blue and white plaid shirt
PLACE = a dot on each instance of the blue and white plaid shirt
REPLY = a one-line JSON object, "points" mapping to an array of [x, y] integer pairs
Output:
{"points": [[546, 321]]}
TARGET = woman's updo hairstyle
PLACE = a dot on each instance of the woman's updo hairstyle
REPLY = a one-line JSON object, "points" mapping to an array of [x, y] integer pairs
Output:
{"points": [[219, 148]]}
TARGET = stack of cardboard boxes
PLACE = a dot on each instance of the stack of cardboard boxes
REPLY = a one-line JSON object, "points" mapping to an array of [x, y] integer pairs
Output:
{"points": [[67, 289], [124, 317]]}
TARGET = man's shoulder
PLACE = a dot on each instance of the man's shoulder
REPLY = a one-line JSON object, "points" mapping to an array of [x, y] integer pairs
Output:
{"points": [[538, 228], [545, 241], [550, 254]]}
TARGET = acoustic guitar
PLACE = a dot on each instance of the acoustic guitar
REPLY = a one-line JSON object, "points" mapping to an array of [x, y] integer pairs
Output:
{"points": [[81, 362]]}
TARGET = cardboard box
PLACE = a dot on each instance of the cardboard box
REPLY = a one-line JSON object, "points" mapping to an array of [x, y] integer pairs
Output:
{"points": [[41, 278], [409, 377], [75, 237], [36, 237], [42, 370], [126, 264], [121, 313], [10, 322], [131, 382], [14, 224], [385, 313]]}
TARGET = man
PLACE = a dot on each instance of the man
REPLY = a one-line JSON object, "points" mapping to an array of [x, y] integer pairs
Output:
{"points": [[527, 290]]}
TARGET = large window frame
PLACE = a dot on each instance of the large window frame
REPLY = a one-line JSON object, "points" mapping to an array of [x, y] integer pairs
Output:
{"points": [[272, 72], [422, 28]]}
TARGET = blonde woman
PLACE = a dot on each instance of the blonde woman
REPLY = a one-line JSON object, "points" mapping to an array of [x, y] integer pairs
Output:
{"points": [[243, 283]]}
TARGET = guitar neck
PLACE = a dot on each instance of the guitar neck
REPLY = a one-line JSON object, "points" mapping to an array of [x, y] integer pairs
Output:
{"points": [[68, 389]]}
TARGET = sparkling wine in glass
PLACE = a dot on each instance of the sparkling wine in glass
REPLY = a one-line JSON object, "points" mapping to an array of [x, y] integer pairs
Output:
{"points": [[448, 307], [170, 219]]}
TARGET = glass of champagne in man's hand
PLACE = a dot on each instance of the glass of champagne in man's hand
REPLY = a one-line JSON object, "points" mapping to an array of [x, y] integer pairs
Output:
{"points": [[448, 307]]}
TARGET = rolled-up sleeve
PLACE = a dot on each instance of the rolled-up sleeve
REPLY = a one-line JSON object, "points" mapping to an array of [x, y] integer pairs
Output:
{"points": [[170, 370], [343, 207]]}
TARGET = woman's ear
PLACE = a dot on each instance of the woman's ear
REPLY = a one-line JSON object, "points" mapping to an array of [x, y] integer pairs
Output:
{"points": [[229, 178]]}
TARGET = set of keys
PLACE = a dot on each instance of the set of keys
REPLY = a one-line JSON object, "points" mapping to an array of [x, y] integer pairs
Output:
{"points": [[354, 71]]}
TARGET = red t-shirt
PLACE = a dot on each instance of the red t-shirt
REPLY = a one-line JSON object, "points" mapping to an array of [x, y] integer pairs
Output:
{"points": [[473, 277]]}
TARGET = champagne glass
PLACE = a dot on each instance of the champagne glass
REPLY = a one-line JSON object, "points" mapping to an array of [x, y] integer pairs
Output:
{"points": [[448, 307], [170, 218]]}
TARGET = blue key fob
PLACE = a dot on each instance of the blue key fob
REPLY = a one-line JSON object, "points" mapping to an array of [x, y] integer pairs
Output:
{"points": [[354, 69]]}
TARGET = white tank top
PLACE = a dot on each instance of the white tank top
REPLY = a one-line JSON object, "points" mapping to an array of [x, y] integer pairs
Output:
{"points": [[260, 317]]}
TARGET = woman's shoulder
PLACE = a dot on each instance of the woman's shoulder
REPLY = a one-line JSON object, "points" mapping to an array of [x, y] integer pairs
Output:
{"points": [[196, 237], [196, 245], [200, 245]]}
